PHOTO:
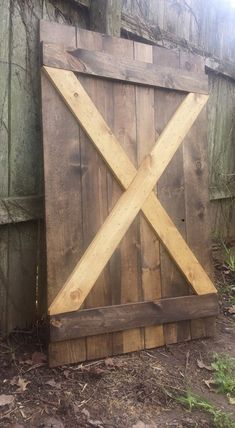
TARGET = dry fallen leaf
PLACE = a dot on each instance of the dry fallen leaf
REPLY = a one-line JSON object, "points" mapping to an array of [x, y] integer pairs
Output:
{"points": [[231, 400], [92, 422], [53, 383], [20, 382], [6, 399], [209, 382], [201, 365]]}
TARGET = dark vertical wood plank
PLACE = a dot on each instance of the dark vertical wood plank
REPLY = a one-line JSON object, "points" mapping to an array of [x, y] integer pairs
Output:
{"points": [[149, 245], [195, 155], [94, 195], [24, 161], [171, 194], [4, 133], [67, 352], [124, 263], [62, 170], [51, 32], [105, 16]]}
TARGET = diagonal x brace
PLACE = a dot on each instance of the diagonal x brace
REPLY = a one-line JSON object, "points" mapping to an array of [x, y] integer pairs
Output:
{"points": [[138, 195]]}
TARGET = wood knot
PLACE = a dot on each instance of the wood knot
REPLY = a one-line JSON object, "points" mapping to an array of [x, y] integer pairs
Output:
{"points": [[76, 294]]}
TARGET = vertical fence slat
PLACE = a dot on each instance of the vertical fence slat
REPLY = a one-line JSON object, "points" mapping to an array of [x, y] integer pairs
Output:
{"points": [[24, 162], [4, 86]]}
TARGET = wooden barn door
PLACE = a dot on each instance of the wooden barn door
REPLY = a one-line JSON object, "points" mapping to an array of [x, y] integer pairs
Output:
{"points": [[125, 167]]}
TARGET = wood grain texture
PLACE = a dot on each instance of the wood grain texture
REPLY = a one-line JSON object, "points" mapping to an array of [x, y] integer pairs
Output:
{"points": [[206, 28], [66, 352], [149, 245], [124, 264], [108, 66], [24, 163], [105, 16], [4, 175], [171, 194], [90, 322], [52, 32], [82, 279], [94, 194], [195, 163], [62, 194], [126, 129], [125, 172]]}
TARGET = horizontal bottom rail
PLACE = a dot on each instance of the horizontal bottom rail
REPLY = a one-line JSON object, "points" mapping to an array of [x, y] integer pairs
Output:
{"points": [[91, 322]]}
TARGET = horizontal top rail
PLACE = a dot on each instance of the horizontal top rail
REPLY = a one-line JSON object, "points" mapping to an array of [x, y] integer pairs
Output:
{"points": [[104, 65]]}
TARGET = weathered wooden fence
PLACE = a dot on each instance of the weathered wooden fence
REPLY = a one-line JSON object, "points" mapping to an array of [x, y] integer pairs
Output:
{"points": [[206, 28], [22, 277], [21, 255]]}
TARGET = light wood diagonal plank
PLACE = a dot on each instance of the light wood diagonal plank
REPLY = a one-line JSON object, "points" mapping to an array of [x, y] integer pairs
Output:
{"points": [[100, 250]]}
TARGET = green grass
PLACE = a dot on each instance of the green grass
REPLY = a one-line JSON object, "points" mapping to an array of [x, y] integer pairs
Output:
{"points": [[224, 373], [229, 257], [220, 419], [227, 291]]}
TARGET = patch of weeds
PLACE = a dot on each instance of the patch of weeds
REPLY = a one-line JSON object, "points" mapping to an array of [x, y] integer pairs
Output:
{"points": [[224, 373], [229, 256], [220, 419], [226, 290]]}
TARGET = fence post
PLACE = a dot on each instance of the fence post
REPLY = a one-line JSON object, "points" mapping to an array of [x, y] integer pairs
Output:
{"points": [[105, 16]]}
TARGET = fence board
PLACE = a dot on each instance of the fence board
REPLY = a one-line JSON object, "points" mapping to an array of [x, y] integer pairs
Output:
{"points": [[62, 253], [171, 193], [90, 322], [102, 65], [4, 88], [24, 163], [126, 257], [21, 154], [221, 132], [150, 256], [196, 189], [94, 193], [208, 25]]}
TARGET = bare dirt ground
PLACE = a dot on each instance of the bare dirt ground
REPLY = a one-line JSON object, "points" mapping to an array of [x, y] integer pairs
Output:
{"points": [[136, 390]]}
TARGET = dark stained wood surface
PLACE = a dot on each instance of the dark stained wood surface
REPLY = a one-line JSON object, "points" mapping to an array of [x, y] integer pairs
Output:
{"points": [[105, 65], [149, 244], [195, 160], [94, 194], [63, 174], [90, 322], [125, 262], [132, 274], [170, 189]]}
